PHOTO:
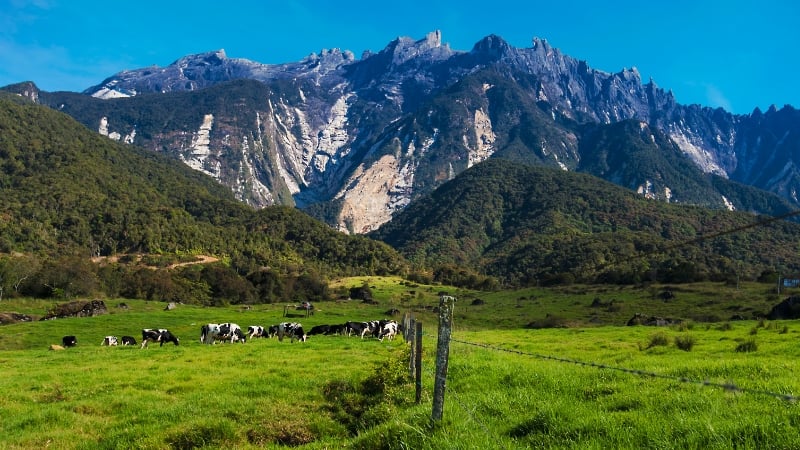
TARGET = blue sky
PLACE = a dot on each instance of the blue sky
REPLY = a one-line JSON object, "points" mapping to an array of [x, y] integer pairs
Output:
{"points": [[731, 53]]}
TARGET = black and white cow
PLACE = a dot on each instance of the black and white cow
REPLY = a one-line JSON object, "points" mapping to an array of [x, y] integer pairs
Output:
{"points": [[362, 328], [160, 335], [110, 341], [388, 330], [208, 332], [128, 340], [254, 331], [230, 332], [69, 341], [356, 328], [293, 329]]}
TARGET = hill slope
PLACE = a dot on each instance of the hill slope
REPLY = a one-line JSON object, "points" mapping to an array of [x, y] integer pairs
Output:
{"points": [[66, 191], [526, 225]]}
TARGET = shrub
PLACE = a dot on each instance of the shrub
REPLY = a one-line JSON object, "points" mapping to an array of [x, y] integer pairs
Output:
{"points": [[747, 346], [685, 343], [658, 339], [725, 326], [360, 406], [218, 434], [362, 292]]}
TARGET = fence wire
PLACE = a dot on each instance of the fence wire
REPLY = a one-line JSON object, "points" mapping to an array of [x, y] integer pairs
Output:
{"points": [[727, 386]]}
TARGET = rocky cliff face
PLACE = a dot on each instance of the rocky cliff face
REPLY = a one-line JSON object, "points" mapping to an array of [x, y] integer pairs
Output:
{"points": [[368, 136]]}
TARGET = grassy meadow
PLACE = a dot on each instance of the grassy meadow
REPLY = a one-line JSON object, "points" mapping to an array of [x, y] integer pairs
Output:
{"points": [[508, 386]]}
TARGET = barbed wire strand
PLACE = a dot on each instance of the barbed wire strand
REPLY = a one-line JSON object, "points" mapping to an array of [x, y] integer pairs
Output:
{"points": [[728, 386]]}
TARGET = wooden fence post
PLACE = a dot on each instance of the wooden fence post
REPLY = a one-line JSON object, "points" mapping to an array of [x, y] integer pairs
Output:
{"points": [[409, 335], [418, 364], [446, 304]]}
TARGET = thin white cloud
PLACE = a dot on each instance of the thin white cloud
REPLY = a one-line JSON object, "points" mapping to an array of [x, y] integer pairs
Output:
{"points": [[716, 98]]}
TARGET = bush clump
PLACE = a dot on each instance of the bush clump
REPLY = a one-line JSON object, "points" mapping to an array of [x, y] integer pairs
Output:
{"points": [[685, 342], [360, 406], [748, 345], [659, 339]]}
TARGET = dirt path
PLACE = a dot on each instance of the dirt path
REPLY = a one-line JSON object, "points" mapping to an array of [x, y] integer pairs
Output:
{"points": [[202, 259]]}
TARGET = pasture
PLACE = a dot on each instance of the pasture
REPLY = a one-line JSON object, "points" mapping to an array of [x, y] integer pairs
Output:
{"points": [[507, 387]]}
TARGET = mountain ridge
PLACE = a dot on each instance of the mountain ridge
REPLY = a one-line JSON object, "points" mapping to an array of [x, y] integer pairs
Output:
{"points": [[336, 130]]}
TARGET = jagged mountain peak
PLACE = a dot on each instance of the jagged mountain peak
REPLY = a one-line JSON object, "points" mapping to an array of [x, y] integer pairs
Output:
{"points": [[493, 45], [404, 48], [207, 58], [331, 54], [631, 74]]}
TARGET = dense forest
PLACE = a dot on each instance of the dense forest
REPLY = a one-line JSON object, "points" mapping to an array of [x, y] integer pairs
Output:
{"points": [[526, 225], [69, 196]]}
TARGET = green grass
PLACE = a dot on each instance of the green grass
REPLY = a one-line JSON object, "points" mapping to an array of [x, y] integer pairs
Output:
{"points": [[578, 387]]}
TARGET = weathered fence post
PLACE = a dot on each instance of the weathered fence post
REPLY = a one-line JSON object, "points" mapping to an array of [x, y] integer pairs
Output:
{"points": [[418, 363], [446, 304], [408, 326], [409, 331]]}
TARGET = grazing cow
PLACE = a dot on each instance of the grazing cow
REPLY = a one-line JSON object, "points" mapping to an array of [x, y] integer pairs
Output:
{"points": [[212, 332], [110, 341], [69, 341], [208, 332], [128, 340], [232, 332], [356, 328], [293, 329], [389, 330], [256, 331], [159, 335], [272, 331], [337, 329], [319, 329], [371, 328]]}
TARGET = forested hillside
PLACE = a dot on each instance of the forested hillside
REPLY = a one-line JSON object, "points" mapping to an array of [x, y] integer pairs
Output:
{"points": [[68, 194], [532, 225]]}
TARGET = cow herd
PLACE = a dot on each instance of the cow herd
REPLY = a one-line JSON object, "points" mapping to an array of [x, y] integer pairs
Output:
{"points": [[212, 333], [381, 329]]}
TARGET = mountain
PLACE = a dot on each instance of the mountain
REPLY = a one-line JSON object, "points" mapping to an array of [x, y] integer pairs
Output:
{"points": [[68, 192], [528, 225], [354, 141]]}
